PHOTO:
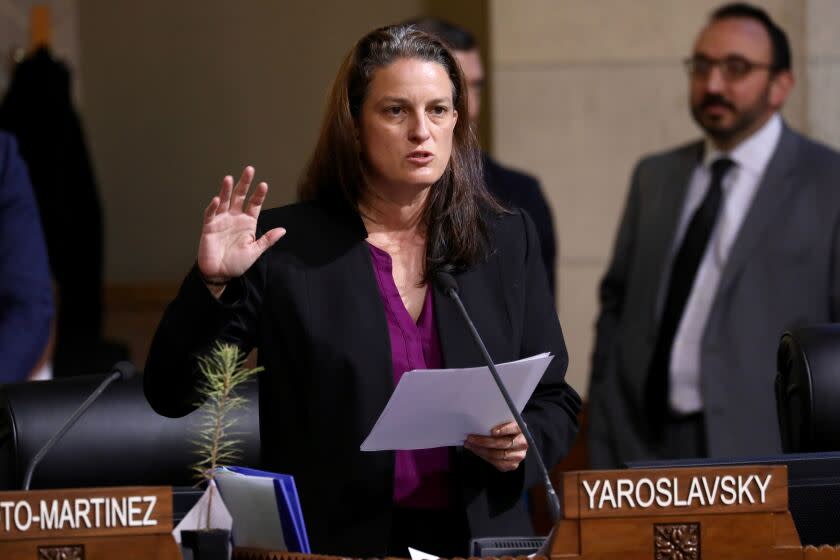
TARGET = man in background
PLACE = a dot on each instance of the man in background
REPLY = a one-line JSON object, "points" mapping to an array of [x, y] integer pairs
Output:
{"points": [[724, 244], [511, 188], [37, 108], [26, 306]]}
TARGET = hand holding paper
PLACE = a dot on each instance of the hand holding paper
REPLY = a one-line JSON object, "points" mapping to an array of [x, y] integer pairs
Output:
{"points": [[504, 448], [439, 408]]}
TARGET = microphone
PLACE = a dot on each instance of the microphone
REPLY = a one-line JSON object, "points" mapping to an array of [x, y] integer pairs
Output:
{"points": [[447, 283], [121, 370]]}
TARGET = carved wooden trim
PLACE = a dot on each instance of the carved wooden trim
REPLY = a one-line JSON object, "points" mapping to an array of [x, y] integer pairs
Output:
{"points": [[680, 541], [823, 552], [62, 552], [259, 554]]}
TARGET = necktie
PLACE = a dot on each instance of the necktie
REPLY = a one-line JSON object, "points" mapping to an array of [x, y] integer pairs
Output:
{"points": [[683, 273]]}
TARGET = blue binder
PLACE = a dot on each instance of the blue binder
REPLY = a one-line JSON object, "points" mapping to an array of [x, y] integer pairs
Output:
{"points": [[288, 505]]}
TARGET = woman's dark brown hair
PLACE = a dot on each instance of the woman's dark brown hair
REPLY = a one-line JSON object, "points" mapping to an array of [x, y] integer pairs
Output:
{"points": [[458, 203]]}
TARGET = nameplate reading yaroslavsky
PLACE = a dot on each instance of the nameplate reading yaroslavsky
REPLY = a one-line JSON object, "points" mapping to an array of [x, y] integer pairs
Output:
{"points": [[693, 490]]}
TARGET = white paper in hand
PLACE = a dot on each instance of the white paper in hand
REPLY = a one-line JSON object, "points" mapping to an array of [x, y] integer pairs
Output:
{"points": [[197, 517], [441, 407]]}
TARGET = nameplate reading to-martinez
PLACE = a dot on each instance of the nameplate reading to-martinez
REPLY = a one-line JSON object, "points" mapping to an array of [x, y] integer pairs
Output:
{"points": [[85, 512], [674, 491]]}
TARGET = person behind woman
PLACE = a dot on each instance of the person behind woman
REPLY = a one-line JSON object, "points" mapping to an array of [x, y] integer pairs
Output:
{"points": [[344, 304]]}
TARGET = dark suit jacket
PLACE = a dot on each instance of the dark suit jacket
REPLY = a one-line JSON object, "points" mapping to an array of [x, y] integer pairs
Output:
{"points": [[519, 190], [37, 108], [312, 307], [783, 271], [26, 305]]}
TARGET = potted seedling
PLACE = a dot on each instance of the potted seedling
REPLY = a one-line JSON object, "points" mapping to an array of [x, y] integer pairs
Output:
{"points": [[222, 372]]}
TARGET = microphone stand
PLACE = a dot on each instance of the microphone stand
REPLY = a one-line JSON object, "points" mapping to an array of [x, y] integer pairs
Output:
{"points": [[449, 287], [121, 370]]}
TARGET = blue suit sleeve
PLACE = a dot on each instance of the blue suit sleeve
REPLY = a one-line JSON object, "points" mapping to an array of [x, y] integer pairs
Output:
{"points": [[26, 304]]}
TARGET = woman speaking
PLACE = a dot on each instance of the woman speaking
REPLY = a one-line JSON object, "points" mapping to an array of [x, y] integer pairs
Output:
{"points": [[336, 294]]}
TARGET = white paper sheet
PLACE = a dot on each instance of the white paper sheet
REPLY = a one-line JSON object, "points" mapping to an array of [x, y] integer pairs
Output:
{"points": [[441, 407], [420, 555], [197, 517]]}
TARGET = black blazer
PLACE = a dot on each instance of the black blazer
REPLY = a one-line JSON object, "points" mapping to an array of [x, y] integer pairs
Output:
{"points": [[520, 190], [312, 307]]}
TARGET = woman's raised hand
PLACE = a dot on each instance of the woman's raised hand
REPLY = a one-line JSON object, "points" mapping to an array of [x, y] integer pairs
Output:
{"points": [[228, 245]]}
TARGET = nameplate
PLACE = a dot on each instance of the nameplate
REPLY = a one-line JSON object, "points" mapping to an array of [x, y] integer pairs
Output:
{"points": [[675, 491], [85, 512]]}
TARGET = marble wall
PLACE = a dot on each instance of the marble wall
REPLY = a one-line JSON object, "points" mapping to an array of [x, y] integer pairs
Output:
{"points": [[822, 67]]}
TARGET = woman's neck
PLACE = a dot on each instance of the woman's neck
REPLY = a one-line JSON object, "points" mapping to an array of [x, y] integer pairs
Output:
{"points": [[400, 213]]}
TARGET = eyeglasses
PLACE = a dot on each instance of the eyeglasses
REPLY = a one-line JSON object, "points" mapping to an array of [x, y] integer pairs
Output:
{"points": [[732, 67]]}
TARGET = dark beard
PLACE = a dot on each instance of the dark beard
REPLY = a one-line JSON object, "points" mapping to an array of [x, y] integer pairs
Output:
{"points": [[745, 119]]}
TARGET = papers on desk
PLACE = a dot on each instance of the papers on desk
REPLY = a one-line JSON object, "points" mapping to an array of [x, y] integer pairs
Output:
{"points": [[265, 508], [441, 407], [415, 554], [196, 518]]}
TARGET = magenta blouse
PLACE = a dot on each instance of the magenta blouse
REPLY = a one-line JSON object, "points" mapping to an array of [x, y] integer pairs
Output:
{"points": [[422, 478]]}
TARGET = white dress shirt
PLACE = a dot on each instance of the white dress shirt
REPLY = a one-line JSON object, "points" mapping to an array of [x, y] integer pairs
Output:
{"points": [[739, 187]]}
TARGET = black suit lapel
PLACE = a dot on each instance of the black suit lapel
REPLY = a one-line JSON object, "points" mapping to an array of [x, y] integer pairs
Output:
{"points": [[667, 215], [776, 186], [339, 261]]}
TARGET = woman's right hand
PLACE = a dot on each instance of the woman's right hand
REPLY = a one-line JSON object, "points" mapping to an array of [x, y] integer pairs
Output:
{"points": [[228, 245]]}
